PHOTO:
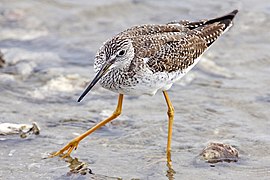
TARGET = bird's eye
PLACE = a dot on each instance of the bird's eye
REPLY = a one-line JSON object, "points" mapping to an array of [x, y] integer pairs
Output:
{"points": [[121, 52]]}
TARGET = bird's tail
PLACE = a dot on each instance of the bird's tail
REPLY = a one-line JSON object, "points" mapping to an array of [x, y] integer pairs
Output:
{"points": [[213, 28], [226, 20], [210, 29]]}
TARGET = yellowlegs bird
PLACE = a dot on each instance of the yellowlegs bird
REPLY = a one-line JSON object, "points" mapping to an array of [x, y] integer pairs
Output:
{"points": [[150, 58]]}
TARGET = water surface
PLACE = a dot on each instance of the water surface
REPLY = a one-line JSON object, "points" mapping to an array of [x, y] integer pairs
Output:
{"points": [[49, 47]]}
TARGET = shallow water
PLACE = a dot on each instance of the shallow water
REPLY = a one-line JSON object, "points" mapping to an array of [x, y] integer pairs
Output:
{"points": [[49, 47]]}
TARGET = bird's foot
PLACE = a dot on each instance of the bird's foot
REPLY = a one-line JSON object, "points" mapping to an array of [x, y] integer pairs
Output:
{"points": [[72, 145]]}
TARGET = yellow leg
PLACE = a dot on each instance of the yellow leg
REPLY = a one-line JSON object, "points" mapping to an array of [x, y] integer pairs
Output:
{"points": [[73, 144], [170, 115]]}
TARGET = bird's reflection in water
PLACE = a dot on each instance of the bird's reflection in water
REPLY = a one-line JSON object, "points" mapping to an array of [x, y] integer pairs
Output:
{"points": [[170, 172], [77, 167]]}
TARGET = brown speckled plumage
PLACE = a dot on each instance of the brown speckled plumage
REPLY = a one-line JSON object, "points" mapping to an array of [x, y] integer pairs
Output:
{"points": [[149, 58]]}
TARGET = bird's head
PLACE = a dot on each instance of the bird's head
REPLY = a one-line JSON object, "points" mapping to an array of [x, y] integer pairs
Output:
{"points": [[115, 53]]}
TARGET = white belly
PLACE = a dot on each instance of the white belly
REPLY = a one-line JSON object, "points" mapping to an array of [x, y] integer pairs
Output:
{"points": [[148, 82]]}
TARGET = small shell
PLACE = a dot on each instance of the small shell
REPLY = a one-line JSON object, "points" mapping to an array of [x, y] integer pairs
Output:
{"points": [[2, 60], [219, 152]]}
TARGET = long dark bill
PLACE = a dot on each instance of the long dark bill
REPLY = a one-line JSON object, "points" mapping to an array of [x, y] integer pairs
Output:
{"points": [[101, 72]]}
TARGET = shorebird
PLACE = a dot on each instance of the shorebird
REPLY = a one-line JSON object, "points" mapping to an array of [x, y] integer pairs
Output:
{"points": [[149, 58]]}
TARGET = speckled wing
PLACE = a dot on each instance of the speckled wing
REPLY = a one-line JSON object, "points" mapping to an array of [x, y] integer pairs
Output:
{"points": [[175, 46], [175, 51]]}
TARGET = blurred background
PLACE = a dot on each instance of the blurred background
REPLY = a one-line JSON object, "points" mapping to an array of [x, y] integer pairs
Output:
{"points": [[47, 52]]}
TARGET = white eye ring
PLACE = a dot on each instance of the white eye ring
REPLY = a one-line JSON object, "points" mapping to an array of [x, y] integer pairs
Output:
{"points": [[121, 52]]}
